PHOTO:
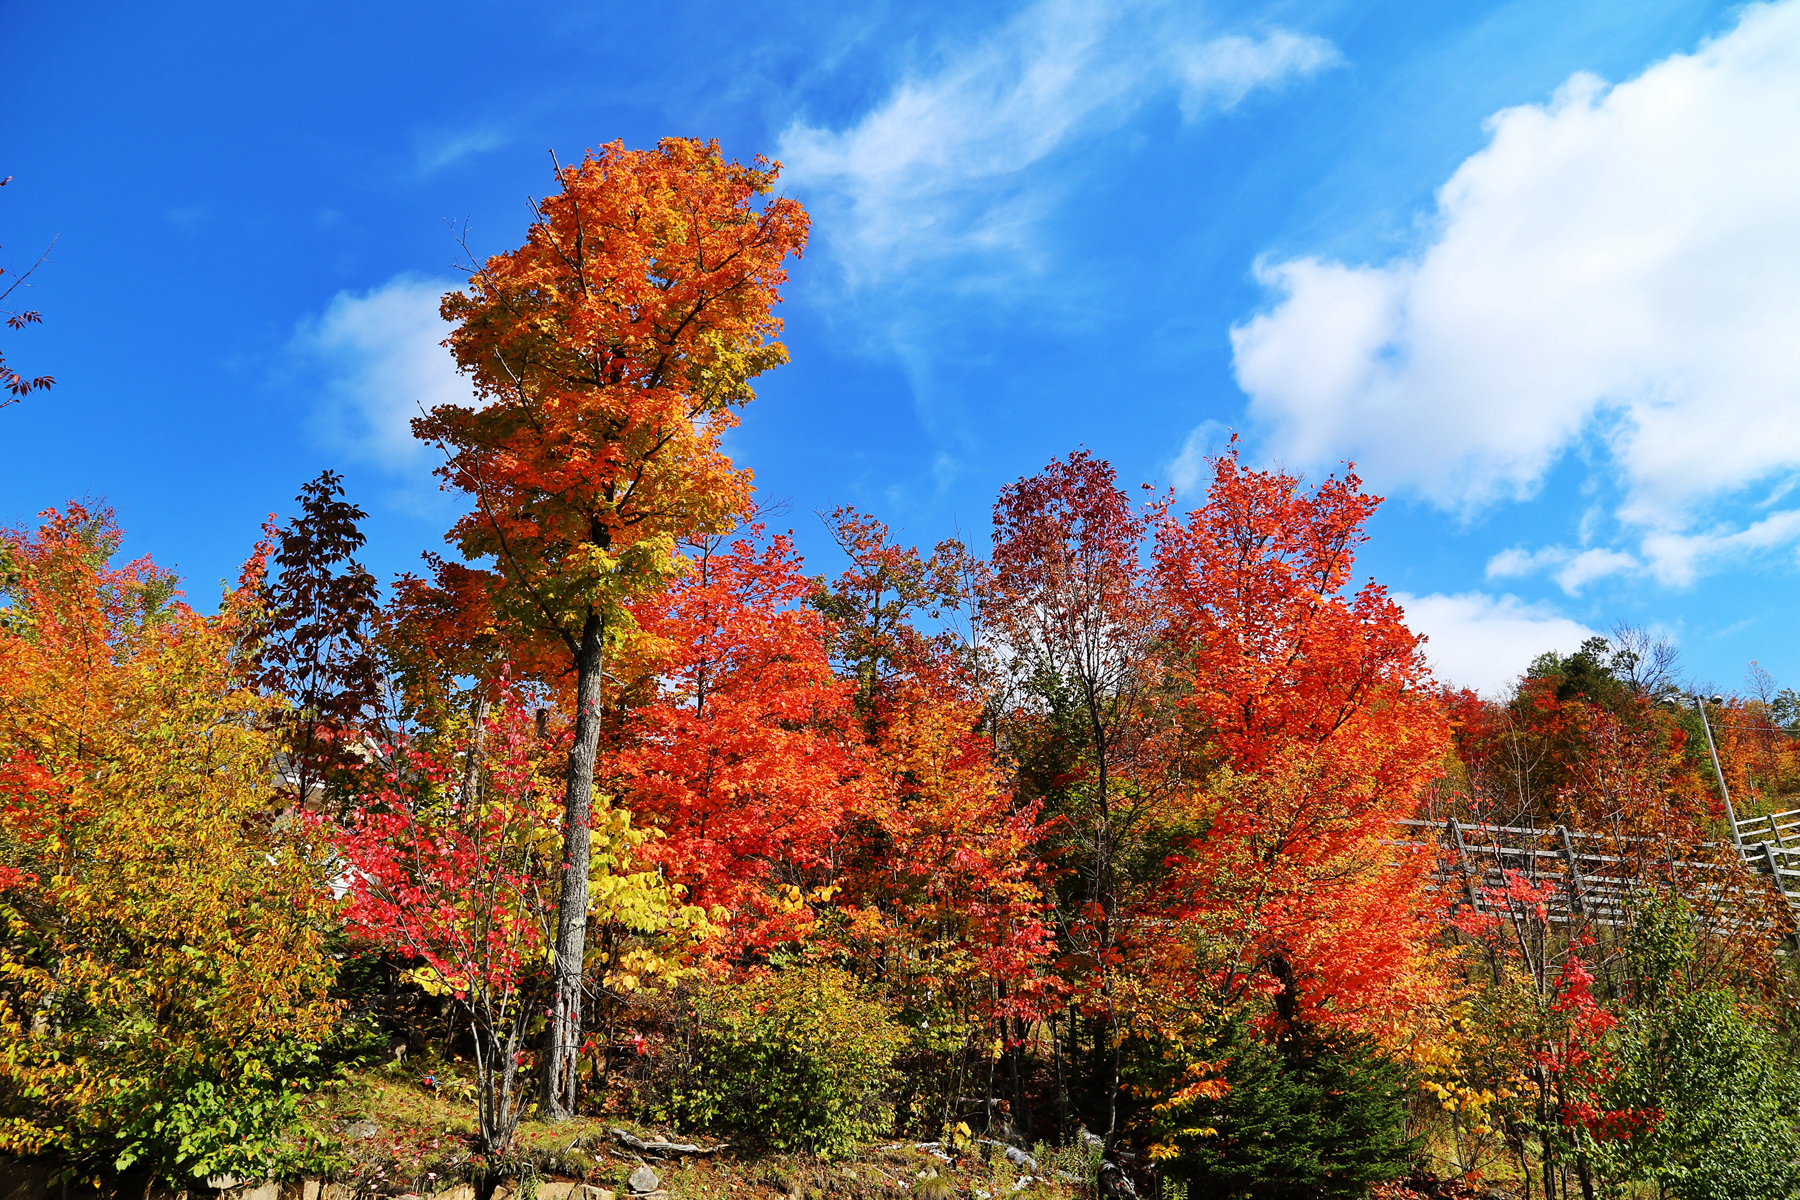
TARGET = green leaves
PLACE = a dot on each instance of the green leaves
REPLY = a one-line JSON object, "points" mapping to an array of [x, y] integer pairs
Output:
{"points": [[797, 1059]]}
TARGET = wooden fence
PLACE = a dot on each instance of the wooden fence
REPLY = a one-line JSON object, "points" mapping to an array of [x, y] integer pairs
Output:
{"points": [[1593, 877]]}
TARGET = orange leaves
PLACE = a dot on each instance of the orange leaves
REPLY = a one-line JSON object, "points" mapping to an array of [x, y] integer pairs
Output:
{"points": [[611, 350], [1255, 582], [1315, 705]]}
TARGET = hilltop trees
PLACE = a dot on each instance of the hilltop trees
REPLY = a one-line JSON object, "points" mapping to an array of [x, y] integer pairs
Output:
{"points": [[610, 351]]}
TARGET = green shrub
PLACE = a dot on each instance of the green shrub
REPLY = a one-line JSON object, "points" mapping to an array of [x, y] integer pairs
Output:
{"points": [[231, 1121], [1727, 1101], [1726, 1097], [798, 1059]]}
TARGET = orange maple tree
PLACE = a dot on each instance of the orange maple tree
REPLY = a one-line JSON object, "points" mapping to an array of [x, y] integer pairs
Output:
{"points": [[1317, 705], [737, 738], [940, 870], [611, 351]]}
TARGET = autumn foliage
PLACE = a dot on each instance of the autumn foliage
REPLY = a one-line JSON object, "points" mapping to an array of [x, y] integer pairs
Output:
{"points": [[1138, 830], [161, 944]]}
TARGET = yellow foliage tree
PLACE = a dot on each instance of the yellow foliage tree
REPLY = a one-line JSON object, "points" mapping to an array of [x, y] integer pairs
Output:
{"points": [[162, 965]]}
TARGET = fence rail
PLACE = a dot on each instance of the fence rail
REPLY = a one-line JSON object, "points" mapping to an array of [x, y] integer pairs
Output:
{"points": [[1594, 878]]}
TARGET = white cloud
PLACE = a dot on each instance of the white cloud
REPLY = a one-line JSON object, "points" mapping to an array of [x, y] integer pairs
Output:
{"points": [[1481, 641], [433, 151], [379, 361], [1578, 567], [1620, 264], [1679, 556], [1220, 73], [1192, 466], [939, 165]]}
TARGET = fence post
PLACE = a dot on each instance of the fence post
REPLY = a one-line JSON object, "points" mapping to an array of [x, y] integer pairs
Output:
{"points": [[1774, 868], [1577, 900], [1462, 861]]}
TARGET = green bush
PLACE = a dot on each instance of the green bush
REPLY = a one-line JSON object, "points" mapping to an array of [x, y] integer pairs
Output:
{"points": [[798, 1059], [1726, 1097]]}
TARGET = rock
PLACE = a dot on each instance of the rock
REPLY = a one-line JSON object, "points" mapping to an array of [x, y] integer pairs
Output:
{"points": [[643, 1180], [1014, 1155], [358, 1131], [223, 1182], [501, 1192], [557, 1189], [590, 1192], [459, 1191]]}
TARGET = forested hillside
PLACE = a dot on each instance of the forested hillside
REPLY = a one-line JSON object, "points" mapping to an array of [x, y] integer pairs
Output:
{"points": [[1087, 839]]}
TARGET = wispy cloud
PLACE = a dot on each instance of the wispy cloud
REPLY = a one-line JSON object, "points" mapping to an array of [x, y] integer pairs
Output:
{"points": [[435, 150], [1573, 568], [944, 164], [1188, 470], [1618, 270], [376, 361], [1679, 557]]}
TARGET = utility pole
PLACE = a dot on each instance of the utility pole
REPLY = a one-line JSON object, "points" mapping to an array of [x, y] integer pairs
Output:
{"points": [[1737, 842]]}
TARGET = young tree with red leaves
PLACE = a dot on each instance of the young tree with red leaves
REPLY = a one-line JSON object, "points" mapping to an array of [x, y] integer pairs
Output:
{"points": [[451, 862], [1069, 599], [611, 351]]}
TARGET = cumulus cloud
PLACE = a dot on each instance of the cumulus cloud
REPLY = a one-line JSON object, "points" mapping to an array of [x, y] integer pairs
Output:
{"points": [[940, 164], [1618, 268], [378, 361], [1481, 641]]}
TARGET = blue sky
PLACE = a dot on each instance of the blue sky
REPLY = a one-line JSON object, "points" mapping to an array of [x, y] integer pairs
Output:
{"points": [[1534, 266]]}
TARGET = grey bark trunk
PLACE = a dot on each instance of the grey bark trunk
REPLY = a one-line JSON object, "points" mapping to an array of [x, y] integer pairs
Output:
{"points": [[572, 907]]}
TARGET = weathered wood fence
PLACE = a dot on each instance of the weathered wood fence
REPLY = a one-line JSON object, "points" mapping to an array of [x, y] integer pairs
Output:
{"points": [[1594, 878]]}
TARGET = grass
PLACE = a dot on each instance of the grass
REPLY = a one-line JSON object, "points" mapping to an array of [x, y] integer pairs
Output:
{"points": [[426, 1141]]}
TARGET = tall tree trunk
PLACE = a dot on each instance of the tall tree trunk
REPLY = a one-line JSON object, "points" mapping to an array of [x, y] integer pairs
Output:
{"points": [[1108, 902], [572, 906]]}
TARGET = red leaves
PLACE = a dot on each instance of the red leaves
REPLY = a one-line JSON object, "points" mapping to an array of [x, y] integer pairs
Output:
{"points": [[1255, 585], [1316, 702], [738, 738], [442, 870]]}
